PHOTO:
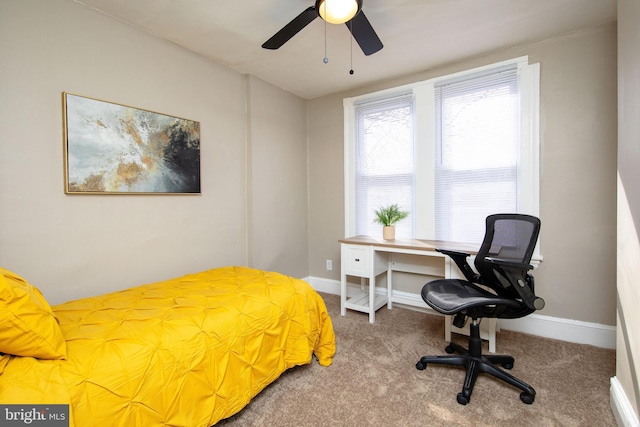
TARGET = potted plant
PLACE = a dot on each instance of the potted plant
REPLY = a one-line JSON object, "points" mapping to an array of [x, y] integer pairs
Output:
{"points": [[388, 216]]}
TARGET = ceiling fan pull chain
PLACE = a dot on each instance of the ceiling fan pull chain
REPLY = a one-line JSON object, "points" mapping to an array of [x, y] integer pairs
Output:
{"points": [[351, 46], [325, 60]]}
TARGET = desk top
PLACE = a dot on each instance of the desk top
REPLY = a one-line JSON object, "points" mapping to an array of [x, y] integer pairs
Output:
{"points": [[413, 244]]}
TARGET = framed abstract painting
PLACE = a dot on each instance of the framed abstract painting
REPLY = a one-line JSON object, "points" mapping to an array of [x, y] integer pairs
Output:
{"points": [[115, 149]]}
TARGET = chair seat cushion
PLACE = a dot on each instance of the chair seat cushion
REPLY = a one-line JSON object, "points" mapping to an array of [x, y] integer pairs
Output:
{"points": [[451, 296]]}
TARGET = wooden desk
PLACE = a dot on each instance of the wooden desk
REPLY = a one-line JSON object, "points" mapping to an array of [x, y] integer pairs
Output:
{"points": [[368, 257]]}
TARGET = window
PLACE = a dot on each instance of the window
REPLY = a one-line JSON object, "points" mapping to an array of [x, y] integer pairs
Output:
{"points": [[477, 146], [450, 150], [384, 161]]}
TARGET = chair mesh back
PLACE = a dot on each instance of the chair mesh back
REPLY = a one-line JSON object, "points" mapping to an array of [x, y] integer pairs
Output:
{"points": [[511, 237]]}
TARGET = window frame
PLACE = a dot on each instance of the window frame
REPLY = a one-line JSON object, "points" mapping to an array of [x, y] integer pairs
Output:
{"points": [[424, 134]]}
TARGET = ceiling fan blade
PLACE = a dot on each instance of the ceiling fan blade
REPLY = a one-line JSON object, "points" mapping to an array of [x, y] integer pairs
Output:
{"points": [[364, 34], [291, 29]]}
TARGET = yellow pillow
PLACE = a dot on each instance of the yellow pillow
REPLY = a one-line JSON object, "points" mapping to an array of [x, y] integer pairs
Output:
{"points": [[27, 324]]}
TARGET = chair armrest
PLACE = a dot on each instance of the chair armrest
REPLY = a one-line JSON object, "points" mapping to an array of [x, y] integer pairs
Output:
{"points": [[460, 258], [510, 264], [516, 275], [452, 253]]}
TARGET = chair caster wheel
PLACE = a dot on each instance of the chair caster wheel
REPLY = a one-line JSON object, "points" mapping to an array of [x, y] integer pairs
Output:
{"points": [[508, 366], [527, 398], [462, 399], [421, 366], [449, 349]]}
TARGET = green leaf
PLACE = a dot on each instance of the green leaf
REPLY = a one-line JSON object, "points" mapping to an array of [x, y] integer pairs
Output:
{"points": [[390, 215]]}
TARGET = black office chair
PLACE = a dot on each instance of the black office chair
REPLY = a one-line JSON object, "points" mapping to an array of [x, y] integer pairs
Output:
{"points": [[502, 264]]}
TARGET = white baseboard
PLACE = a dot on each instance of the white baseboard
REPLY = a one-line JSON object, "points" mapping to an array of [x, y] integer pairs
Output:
{"points": [[622, 409], [564, 329], [535, 324], [320, 284]]}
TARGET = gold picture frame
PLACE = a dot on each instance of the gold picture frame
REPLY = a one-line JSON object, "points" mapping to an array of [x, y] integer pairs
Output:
{"points": [[111, 148]]}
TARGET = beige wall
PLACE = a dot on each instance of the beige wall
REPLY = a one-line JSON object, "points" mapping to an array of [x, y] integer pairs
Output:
{"points": [[578, 171], [75, 246], [628, 332], [326, 184], [278, 177]]}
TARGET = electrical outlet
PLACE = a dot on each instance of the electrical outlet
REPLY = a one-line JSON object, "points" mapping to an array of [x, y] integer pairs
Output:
{"points": [[329, 265]]}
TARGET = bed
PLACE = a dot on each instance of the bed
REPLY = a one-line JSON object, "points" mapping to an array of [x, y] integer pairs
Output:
{"points": [[183, 352]]}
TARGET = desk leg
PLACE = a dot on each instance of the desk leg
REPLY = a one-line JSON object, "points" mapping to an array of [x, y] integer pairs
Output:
{"points": [[343, 294], [447, 328], [492, 334], [372, 299], [389, 287]]}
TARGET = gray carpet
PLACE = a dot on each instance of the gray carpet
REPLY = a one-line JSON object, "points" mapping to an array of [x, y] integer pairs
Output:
{"points": [[373, 380]]}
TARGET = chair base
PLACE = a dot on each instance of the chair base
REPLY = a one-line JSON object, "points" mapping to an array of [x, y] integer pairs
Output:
{"points": [[475, 363]]}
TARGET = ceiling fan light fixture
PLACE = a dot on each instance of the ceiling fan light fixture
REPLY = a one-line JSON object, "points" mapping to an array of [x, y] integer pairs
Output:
{"points": [[354, 18], [338, 11]]}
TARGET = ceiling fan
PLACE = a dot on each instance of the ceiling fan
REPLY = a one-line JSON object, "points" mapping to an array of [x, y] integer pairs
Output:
{"points": [[348, 12]]}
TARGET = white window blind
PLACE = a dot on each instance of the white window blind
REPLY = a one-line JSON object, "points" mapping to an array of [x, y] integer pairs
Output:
{"points": [[384, 162], [477, 152]]}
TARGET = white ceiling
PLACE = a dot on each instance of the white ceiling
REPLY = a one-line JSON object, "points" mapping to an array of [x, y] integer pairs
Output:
{"points": [[417, 34]]}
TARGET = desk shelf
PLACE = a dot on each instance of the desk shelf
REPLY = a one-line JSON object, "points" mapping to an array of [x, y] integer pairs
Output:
{"points": [[360, 302]]}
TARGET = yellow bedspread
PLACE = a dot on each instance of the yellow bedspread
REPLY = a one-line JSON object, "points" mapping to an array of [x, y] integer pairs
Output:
{"points": [[184, 352]]}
